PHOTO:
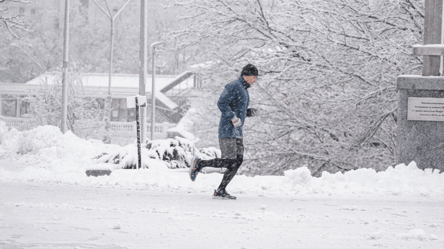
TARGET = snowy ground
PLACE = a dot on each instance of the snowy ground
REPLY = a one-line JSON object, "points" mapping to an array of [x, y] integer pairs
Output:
{"points": [[41, 215], [47, 201]]}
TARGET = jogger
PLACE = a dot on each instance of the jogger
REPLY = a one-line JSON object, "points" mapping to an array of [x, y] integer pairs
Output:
{"points": [[233, 104]]}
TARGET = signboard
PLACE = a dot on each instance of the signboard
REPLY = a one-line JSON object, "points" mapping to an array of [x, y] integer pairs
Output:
{"points": [[131, 101], [425, 109]]}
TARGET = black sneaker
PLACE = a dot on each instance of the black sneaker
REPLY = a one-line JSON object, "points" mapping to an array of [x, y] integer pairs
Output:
{"points": [[194, 168], [222, 194]]}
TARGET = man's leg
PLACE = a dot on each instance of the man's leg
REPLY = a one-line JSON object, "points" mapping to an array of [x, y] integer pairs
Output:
{"points": [[228, 148], [216, 163], [234, 164]]}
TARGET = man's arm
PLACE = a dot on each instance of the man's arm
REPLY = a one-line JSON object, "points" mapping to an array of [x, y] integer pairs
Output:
{"points": [[224, 102]]}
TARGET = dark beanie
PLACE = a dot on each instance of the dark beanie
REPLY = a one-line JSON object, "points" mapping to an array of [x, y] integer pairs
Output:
{"points": [[249, 70]]}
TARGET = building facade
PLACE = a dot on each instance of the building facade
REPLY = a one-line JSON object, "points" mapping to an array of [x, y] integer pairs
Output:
{"points": [[172, 100]]}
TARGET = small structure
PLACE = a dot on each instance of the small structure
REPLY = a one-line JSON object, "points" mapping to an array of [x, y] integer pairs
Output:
{"points": [[171, 100], [420, 134]]}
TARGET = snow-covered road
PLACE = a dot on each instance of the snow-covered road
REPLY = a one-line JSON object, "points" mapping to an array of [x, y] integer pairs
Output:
{"points": [[47, 201], [42, 215]]}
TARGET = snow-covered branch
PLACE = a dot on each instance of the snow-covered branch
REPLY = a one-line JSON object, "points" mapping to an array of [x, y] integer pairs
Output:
{"points": [[13, 23], [317, 61]]}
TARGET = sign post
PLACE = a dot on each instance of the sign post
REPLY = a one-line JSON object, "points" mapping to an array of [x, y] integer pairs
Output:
{"points": [[137, 102]]}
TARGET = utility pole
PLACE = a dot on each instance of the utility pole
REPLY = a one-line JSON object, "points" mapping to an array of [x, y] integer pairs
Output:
{"points": [[112, 18], [143, 60], [153, 86], [63, 127]]}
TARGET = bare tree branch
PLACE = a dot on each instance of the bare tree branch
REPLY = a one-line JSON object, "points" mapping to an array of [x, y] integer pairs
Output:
{"points": [[13, 23]]}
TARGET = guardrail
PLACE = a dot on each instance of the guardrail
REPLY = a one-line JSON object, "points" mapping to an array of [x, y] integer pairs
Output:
{"points": [[17, 123], [130, 127]]}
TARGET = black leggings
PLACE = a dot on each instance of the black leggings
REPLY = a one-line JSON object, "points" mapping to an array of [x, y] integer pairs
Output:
{"points": [[230, 147], [231, 172], [232, 166]]}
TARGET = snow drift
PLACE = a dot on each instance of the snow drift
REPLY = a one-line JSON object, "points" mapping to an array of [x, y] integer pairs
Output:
{"points": [[45, 154]]}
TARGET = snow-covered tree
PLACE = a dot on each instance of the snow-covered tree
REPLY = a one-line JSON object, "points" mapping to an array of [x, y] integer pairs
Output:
{"points": [[85, 114], [41, 50], [10, 21], [327, 79]]}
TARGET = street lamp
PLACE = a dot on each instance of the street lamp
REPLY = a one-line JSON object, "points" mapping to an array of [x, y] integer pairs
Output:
{"points": [[63, 127], [112, 18], [153, 85]]}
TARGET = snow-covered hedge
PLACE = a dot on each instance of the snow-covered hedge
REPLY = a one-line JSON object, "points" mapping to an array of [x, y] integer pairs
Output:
{"points": [[175, 153], [48, 144]]}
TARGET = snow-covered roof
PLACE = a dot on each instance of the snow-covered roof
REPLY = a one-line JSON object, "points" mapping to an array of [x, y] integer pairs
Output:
{"points": [[117, 80], [204, 65], [185, 125]]}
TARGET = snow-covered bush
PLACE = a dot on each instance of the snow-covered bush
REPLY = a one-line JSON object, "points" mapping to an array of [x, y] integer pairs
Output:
{"points": [[50, 143], [211, 152], [31, 141], [127, 158], [39, 138], [175, 153], [3, 129]]}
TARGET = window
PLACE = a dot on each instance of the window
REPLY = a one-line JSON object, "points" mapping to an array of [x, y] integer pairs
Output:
{"points": [[9, 106], [24, 107], [119, 111], [131, 114]]}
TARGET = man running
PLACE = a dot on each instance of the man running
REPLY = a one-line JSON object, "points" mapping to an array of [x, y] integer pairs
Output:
{"points": [[233, 104]]}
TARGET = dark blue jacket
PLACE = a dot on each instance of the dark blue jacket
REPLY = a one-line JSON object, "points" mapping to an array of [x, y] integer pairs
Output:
{"points": [[234, 100]]}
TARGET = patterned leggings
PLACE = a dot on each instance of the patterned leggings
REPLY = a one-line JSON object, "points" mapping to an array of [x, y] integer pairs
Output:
{"points": [[232, 158]]}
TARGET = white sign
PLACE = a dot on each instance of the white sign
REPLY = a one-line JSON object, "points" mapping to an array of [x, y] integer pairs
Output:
{"points": [[131, 101], [425, 109]]}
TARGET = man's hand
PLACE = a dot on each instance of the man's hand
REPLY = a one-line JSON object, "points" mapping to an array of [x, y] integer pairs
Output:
{"points": [[236, 121], [252, 112]]}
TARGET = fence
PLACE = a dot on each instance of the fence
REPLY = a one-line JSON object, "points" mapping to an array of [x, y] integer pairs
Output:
{"points": [[121, 132]]}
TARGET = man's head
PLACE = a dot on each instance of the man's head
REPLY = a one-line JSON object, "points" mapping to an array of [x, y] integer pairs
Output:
{"points": [[249, 73]]}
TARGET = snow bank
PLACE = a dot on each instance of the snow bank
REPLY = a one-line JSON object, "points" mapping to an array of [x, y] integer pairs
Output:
{"points": [[394, 181], [417, 234], [45, 154], [47, 146]]}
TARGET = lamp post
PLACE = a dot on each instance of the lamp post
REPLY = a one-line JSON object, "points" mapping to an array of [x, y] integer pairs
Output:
{"points": [[143, 57], [153, 85], [112, 18], [63, 127]]}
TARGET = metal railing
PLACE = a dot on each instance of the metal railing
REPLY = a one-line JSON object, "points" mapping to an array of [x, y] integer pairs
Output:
{"points": [[118, 129]]}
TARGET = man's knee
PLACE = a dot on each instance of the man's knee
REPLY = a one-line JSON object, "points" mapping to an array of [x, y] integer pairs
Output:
{"points": [[230, 164], [235, 163]]}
